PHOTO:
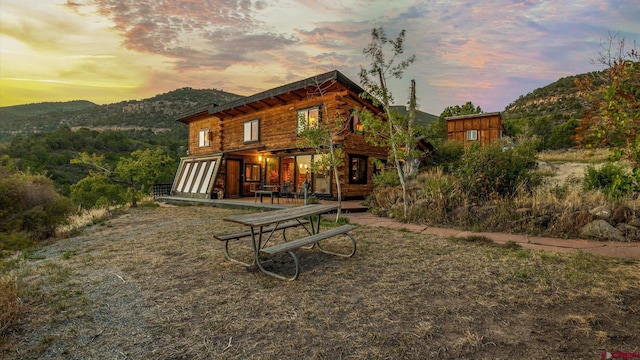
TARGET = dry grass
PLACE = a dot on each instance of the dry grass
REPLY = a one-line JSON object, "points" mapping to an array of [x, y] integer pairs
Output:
{"points": [[592, 156], [9, 304], [152, 284], [84, 218]]}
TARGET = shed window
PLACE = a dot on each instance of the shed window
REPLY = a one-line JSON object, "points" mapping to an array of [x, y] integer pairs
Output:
{"points": [[252, 130], [357, 169], [308, 118], [204, 138], [472, 135]]}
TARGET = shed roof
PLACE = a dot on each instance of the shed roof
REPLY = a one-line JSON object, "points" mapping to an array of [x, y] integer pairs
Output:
{"points": [[474, 116]]}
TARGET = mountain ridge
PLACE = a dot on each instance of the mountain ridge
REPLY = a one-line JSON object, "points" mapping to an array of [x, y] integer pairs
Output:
{"points": [[151, 114], [542, 109]]}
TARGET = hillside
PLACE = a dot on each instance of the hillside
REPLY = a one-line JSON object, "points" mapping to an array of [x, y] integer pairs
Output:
{"points": [[422, 118], [551, 112], [154, 115]]}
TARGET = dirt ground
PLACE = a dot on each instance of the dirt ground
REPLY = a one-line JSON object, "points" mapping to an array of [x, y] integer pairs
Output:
{"points": [[153, 284]]}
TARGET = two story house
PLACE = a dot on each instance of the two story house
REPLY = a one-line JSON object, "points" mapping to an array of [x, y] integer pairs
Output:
{"points": [[484, 128], [237, 148]]}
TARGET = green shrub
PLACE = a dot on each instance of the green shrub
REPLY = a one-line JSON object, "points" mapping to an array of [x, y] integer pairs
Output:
{"points": [[30, 204], [448, 153], [613, 179], [42, 221], [97, 191], [489, 171], [387, 178], [562, 135]]}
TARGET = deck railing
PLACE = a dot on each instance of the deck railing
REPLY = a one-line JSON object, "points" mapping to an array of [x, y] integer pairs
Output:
{"points": [[161, 190]]}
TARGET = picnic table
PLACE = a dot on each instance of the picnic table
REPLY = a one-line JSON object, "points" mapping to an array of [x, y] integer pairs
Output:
{"points": [[263, 225]]}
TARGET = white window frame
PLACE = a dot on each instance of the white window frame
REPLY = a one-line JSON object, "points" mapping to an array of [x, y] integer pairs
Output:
{"points": [[204, 138], [252, 131], [303, 118], [472, 135]]}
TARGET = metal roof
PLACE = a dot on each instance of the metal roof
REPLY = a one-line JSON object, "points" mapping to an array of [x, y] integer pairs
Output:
{"points": [[275, 94], [473, 116]]}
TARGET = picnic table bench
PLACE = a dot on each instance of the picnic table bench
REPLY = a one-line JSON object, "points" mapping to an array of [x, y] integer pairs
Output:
{"points": [[267, 223], [244, 234]]}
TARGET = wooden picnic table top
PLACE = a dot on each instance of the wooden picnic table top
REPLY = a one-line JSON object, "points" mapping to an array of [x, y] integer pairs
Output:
{"points": [[276, 216]]}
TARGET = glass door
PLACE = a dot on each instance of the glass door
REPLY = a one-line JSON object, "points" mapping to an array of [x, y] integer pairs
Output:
{"points": [[321, 178]]}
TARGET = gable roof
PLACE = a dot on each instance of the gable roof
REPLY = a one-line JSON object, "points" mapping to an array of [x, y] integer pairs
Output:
{"points": [[276, 96]]}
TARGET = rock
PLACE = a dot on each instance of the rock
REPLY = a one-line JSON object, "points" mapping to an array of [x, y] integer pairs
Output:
{"points": [[601, 212], [580, 218], [621, 214], [631, 233], [601, 230], [634, 222]]}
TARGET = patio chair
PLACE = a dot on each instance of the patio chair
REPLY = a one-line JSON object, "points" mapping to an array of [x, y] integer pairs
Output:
{"points": [[285, 191]]}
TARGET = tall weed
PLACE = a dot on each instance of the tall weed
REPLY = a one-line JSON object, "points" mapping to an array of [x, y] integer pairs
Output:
{"points": [[9, 303]]}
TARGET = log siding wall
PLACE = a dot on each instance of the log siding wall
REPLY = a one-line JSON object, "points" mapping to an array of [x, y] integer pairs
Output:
{"points": [[489, 127], [278, 136]]}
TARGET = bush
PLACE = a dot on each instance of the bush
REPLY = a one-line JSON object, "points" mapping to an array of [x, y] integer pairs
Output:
{"points": [[448, 154], [492, 170], [613, 179], [562, 136], [385, 179], [30, 204], [97, 191], [42, 221]]}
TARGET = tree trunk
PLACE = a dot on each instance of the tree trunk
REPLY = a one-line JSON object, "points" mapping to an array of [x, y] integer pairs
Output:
{"points": [[394, 148], [411, 163]]}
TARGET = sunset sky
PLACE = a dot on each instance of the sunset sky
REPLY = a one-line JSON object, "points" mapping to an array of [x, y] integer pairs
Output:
{"points": [[488, 52]]}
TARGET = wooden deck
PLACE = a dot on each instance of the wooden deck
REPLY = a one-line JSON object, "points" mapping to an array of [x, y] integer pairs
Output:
{"points": [[348, 206]]}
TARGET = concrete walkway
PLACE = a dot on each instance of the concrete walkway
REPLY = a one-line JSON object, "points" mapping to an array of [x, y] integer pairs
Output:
{"points": [[357, 215], [605, 248]]}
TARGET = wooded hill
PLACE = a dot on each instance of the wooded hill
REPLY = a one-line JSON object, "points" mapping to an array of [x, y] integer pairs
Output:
{"points": [[140, 118], [551, 112]]}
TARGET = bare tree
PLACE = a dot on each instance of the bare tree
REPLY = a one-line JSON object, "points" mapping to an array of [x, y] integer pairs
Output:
{"points": [[321, 137], [391, 131]]}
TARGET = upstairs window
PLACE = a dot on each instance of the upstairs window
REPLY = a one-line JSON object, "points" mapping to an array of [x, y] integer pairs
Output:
{"points": [[357, 169], [356, 123], [472, 135], [251, 130], [204, 138], [308, 118]]}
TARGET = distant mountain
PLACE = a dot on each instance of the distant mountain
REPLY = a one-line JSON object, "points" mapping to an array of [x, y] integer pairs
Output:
{"points": [[16, 117], [154, 115], [422, 118]]}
